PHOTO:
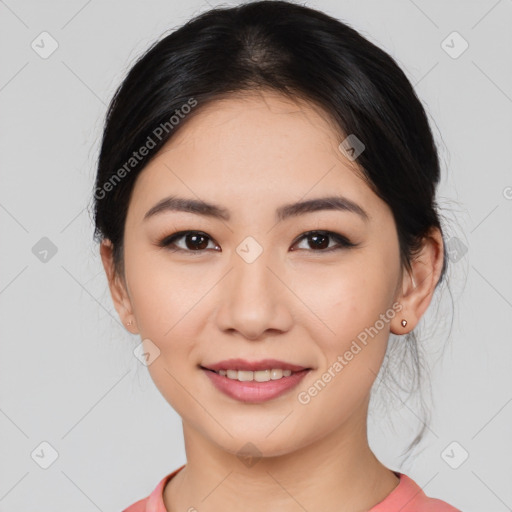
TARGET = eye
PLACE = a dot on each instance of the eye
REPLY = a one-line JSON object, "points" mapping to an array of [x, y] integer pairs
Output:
{"points": [[197, 241], [320, 241]]}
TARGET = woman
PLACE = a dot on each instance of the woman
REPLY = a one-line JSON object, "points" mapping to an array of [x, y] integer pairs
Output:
{"points": [[265, 203]]}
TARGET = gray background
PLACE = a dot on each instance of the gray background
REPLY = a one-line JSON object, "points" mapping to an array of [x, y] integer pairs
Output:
{"points": [[68, 375]]}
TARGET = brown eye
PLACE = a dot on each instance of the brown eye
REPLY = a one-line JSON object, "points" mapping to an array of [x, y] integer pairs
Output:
{"points": [[318, 241], [194, 241], [197, 241]]}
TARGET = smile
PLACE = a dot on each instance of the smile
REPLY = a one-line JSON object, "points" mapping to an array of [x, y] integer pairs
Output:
{"points": [[258, 376], [255, 386]]}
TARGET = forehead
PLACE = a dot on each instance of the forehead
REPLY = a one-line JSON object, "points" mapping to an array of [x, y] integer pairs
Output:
{"points": [[257, 145], [257, 123]]}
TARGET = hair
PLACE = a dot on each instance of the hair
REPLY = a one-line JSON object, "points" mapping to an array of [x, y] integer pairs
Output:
{"points": [[300, 53]]}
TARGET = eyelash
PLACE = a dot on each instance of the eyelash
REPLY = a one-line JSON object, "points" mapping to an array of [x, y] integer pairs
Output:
{"points": [[343, 242]]}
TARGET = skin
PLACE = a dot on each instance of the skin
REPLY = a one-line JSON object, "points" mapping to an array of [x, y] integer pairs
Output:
{"points": [[252, 154]]}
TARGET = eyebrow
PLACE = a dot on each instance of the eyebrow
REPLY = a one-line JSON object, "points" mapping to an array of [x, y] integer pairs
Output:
{"points": [[199, 207]]}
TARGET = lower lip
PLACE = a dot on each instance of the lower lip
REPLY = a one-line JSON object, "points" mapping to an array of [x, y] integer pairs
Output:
{"points": [[252, 391]]}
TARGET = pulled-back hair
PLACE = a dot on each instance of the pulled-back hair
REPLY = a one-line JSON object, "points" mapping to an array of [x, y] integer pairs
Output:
{"points": [[298, 52]]}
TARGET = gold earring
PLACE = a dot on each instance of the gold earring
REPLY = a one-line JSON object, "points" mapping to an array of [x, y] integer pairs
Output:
{"points": [[404, 322]]}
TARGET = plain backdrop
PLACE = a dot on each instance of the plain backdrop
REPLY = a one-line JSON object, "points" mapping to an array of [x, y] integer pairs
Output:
{"points": [[72, 395]]}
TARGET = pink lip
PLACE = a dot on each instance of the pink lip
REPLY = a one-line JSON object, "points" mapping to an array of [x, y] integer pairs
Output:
{"points": [[263, 364], [252, 391]]}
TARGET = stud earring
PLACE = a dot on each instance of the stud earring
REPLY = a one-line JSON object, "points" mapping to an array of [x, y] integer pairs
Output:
{"points": [[129, 323], [404, 322]]}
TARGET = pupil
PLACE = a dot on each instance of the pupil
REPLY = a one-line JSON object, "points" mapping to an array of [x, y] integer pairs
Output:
{"points": [[195, 245], [320, 245]]}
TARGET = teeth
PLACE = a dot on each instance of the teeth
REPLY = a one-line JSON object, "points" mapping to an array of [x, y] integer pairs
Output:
{"points": [[258, 376]]}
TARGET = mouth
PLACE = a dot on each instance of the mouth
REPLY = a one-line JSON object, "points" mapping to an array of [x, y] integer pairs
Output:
{"points": [[256, 381], [259, 371], [255, 376]]}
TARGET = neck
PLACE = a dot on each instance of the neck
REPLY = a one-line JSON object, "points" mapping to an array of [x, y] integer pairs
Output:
{"points": [[338, 472]]}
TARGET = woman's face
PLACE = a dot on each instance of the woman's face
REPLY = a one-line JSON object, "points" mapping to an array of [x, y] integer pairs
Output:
{"points": [[252, 284]]}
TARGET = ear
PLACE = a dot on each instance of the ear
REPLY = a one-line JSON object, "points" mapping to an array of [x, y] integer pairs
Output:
{"points": [[418, 285], [117, 287]]}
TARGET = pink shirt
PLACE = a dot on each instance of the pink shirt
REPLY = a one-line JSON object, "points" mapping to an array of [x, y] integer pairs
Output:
{"points": [[407, 496]]}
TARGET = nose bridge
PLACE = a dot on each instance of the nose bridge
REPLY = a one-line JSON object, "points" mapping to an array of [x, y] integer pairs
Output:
{"points": [[251, 263], [252, 301]]}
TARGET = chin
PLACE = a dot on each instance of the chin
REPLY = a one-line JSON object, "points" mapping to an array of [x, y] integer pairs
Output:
{"points": [[253, 442]]}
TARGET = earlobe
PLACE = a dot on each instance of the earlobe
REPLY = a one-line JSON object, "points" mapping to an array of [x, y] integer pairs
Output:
{"points": [[117, 288], [418, 284]]}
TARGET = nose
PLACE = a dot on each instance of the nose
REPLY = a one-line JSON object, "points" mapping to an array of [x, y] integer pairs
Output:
{"points": [[254, 299]]}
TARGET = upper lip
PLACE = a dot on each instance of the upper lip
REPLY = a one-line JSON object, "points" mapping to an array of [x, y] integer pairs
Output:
{"points": [[262, 364]]}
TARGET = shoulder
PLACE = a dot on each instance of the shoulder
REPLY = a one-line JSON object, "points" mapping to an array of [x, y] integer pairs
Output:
{"points": [[139, 506], [408, 496], [155, 501]]}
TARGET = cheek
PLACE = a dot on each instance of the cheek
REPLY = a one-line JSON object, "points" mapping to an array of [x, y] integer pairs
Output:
{"points": [[167, 308], [169, 304], [163, 297], [347, 298], [352, 338]]}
